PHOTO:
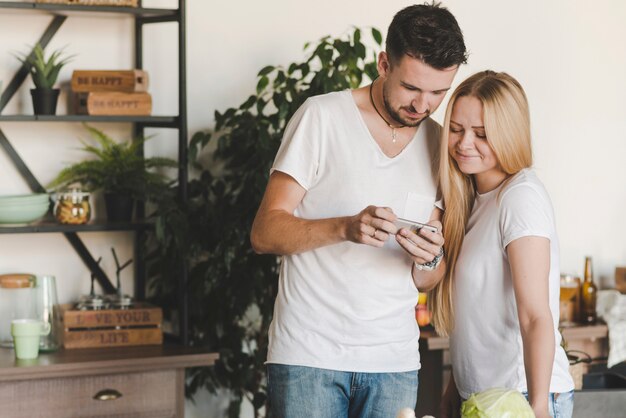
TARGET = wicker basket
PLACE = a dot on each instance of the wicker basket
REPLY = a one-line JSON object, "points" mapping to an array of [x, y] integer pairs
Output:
{"points": [[126, 3]]}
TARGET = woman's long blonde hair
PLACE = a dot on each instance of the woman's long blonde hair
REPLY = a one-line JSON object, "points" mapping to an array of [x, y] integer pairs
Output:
{"points": [[507, 127]]}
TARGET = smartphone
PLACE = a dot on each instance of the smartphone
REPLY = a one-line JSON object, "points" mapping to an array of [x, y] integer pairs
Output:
{"points": [[414, 226]]}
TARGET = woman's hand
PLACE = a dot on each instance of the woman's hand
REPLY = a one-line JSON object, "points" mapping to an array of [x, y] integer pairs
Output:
{"points": [[541, 413], [424, 246]]}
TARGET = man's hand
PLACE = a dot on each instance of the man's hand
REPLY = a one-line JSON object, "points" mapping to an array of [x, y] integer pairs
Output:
{"points": [[371, 226]]}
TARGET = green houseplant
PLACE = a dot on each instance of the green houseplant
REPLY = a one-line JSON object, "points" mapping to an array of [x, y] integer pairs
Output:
{"points": [[120, 171], [44, 73], [232, 289]]}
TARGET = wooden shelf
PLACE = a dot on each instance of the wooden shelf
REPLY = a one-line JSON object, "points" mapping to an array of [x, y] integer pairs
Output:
{"points": [[63, 8], [51, 226]]}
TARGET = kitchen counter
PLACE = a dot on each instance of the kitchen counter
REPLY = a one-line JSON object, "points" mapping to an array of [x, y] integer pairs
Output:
{"points": [[434, 374], [142, 381]]}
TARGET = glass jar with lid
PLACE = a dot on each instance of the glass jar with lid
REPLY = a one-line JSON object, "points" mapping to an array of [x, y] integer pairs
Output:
{"points": [[72, 207], [17, 301]]}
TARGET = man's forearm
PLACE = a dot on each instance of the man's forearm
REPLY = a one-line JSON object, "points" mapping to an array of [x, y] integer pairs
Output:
{"points": [[281, 233]]}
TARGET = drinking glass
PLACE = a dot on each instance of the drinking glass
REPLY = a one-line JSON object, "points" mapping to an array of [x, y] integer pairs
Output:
{"points": [[48, 311], [568, 298]]}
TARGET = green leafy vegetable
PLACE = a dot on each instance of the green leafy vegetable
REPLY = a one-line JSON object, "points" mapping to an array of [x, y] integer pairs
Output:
{"points": [[497, 403]]}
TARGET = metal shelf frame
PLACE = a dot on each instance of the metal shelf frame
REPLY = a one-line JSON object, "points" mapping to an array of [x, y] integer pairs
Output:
{"points": [[147, 121], [51, 226], [170, 14], [142, 16]]}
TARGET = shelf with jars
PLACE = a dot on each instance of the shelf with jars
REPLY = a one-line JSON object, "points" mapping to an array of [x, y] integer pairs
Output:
{"points": [[141, 17]]}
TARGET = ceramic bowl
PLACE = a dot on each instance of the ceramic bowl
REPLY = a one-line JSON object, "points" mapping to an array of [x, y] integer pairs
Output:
{"points": [[25, 199], [22, 214]]}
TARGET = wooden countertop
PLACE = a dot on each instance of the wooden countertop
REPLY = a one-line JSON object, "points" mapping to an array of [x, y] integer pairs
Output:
{"points": [[431, 341], [93, 361], [584, 332]]}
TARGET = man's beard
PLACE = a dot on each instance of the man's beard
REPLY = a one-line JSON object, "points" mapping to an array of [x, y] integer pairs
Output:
{"points": [[395, 115]]}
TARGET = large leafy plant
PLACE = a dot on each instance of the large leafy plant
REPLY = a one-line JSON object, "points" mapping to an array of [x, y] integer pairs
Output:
{"points": [[44, 71], [232, 289], [118, 168]]}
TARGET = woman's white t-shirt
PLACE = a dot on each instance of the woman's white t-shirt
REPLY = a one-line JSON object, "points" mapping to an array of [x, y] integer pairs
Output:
{"points": [[348, 306], [486, 343]]}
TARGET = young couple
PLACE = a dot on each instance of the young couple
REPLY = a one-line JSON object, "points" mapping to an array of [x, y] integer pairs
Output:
{"points": [[343, 340]]}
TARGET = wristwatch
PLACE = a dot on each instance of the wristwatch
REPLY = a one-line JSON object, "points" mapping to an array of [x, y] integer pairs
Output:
{"points": [[431, 265]]}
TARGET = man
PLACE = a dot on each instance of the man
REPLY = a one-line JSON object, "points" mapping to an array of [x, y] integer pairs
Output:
{"points": [[343, 340]]}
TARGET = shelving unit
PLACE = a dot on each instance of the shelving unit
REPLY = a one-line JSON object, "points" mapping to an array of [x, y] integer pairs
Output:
{"points": [[141, 16]]}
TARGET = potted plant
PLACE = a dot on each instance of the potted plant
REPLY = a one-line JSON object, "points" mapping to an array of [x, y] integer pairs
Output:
{"points": [[232, 289], [44, 73], [120, 171]]}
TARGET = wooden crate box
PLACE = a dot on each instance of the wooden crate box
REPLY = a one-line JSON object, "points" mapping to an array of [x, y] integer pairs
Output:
{"points": [[105, 103], [128, 81], [140, 325]]}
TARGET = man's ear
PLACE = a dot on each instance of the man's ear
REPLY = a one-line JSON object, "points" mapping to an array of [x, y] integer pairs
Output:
{"points": [[383, 65]]}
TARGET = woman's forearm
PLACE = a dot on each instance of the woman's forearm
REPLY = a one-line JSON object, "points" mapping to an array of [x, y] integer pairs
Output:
{"points": [[538, 342], [530, 282]]}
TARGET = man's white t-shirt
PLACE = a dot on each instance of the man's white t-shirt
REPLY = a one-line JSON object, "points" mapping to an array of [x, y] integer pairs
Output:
{"points": [[347, 306], [486, 343]]}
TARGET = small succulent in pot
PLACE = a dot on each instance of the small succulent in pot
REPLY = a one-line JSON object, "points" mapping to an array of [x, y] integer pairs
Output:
{"points": [[44, 73]]}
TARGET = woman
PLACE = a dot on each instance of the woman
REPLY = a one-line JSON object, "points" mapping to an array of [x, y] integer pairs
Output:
{"points": [[499, 298]]}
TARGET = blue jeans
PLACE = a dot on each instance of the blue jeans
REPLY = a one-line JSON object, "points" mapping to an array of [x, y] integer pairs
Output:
{"points": [[297, 391], [560, 405]]}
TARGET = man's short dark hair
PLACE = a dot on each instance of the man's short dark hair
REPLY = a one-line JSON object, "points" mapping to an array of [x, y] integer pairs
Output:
{"points": [[428, 32]]}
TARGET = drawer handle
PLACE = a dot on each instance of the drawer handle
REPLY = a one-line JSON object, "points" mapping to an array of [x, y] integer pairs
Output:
{"points": [[107, 395]]}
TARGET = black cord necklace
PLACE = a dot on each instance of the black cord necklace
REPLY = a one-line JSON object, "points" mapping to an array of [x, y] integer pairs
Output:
{"points": [[394, 135]]}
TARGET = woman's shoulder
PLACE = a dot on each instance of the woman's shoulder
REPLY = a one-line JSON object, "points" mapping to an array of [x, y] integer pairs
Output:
{"points": [[524, 182], [524, 186]]}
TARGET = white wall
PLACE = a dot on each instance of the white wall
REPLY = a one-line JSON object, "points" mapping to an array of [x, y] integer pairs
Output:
{"points": [[568, 54]]}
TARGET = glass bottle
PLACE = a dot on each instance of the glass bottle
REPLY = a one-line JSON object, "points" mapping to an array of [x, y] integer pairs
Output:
{"points": [[588, 294]]}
